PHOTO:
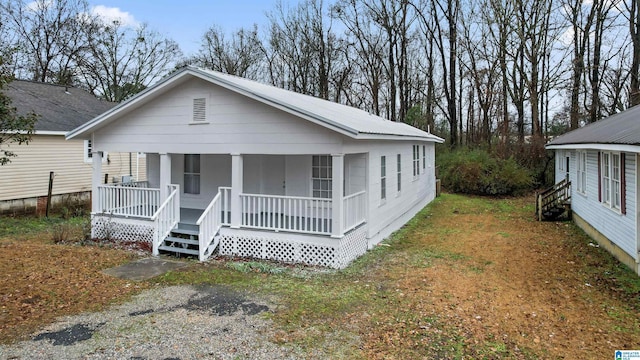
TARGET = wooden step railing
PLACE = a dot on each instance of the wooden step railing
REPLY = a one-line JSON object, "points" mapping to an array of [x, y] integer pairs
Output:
{"points": [[556, 196]]}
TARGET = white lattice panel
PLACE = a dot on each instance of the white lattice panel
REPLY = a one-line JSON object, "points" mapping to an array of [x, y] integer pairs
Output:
{"points": [[332, 253], [352, 246], [120, 229]]}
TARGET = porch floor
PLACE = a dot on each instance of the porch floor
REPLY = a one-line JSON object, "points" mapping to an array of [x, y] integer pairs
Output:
{"points": [[190, 216]]}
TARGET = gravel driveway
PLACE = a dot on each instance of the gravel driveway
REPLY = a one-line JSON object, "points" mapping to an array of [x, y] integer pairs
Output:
{"points": [[178, 322]]}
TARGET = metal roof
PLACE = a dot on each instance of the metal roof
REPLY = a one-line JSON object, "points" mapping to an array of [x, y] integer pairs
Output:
{"points": [[348, 120], [61, 108], [621, 129]]}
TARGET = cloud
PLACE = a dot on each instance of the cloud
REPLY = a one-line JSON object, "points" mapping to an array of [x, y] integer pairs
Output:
{"points": [[110, 14]]}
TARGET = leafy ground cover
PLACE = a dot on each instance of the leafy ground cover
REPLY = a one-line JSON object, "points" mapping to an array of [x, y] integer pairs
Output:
{"points": [[466, 278]]}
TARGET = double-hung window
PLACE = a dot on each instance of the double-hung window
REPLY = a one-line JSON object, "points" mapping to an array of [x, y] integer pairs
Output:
{"points": [[399, 171], [612, 180], [416, 161], [88, 152], [582, 172], [192, 174], [321, 176], [383, 177]]}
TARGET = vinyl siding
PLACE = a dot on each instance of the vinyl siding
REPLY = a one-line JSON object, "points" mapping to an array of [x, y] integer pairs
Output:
{"points": [[619, 228], [234, 123], [27, 175], [384, 213]]}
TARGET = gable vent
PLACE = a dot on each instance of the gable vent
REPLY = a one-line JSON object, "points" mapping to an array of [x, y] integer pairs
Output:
{"points": [[199, 109]]}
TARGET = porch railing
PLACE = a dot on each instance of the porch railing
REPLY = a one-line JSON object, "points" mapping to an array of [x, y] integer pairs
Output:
{"points": [[128, 200], [136, 184], [225, 204], [209, 223], [354, 210], [167, 216], [287, 213]]}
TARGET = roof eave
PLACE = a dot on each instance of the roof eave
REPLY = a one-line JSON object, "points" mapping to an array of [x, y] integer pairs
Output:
{"points": [[596, 146]]}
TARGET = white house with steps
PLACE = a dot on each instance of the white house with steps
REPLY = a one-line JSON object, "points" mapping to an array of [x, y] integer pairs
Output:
{"points": [[247, 169]]}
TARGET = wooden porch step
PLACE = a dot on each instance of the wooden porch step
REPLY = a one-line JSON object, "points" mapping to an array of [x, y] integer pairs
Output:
{"points": [[182, 231], [182, 240], [179, 250]]}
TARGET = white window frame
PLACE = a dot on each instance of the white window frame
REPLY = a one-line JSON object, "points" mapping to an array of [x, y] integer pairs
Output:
{"points": [[399, 172], [322, 176], [611, 180], [560, 161], [189, 173], [416, 162], [424, 158], [383, 178], [88, 152], [581, 176]]}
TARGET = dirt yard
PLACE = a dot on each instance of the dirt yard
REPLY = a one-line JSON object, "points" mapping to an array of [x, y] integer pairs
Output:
{"points": [[491, 272], [467, 278]]}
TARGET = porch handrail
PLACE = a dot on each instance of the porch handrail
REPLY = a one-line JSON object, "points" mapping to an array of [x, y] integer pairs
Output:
{"points": [[354, 210], [167, 216], [127, 200], [136, 184], [209, 224], [286, 213]]}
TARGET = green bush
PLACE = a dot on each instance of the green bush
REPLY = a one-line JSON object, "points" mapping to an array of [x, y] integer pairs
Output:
{"points": [[478, 172]]}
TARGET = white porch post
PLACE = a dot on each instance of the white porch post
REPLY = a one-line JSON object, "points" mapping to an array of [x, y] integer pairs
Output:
{"points": [[96, 180], [236, 190], [165, 175], [337, 191]]}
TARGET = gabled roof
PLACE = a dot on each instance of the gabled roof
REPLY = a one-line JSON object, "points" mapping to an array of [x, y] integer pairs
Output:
{"points": [[61, 108], [344, 119], [619, 129]]}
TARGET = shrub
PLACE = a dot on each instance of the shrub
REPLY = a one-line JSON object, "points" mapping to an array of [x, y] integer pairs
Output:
{"points": [[478, 172]]}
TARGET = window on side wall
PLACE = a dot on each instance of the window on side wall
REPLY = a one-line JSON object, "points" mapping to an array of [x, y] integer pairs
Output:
{"points": [[612, 181], [383, 177], [582, 172], [399, 171], [88, 152], [192, 174], [321, 176], [416, 161]]}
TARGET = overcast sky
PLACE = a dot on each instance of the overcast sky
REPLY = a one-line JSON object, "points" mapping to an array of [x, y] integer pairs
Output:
{"points": [[186, 21]]}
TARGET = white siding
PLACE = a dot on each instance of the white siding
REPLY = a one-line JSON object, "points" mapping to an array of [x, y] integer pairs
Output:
{"points": [[27, 175], [234, 124], [619, 228], [414, 192]]}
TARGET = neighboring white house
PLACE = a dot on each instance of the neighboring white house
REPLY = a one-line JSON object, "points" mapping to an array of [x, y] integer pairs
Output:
{"points": [[24, 182], [601, 161], [260, 171]]}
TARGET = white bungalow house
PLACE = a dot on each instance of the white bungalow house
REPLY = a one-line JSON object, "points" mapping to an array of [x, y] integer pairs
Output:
{"points": [[257, 171], [601, 162]]}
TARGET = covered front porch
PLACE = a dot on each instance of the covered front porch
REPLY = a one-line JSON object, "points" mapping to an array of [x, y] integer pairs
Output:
{"points": [[258, 208]]}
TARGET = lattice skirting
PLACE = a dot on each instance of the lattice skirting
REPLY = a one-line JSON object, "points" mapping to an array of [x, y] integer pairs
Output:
{"points": [[103, 227], [334, 253]]}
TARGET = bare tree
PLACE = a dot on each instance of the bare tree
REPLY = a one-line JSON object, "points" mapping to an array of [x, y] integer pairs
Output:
{"points": [[240, 55], [122, 61], [49, 36]]}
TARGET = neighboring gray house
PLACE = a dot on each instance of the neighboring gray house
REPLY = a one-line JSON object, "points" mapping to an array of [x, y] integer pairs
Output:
{"points": [[601, 161], [26, 178], [258, 171]]}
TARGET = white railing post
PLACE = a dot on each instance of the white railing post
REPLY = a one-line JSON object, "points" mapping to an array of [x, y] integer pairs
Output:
{"points": [[165, 175], [236, 190], [96, 178], [337, 190]]}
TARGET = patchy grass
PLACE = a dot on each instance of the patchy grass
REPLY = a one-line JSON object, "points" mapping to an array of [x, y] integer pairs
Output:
{"points": [[43, 280], [468, 277]]}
